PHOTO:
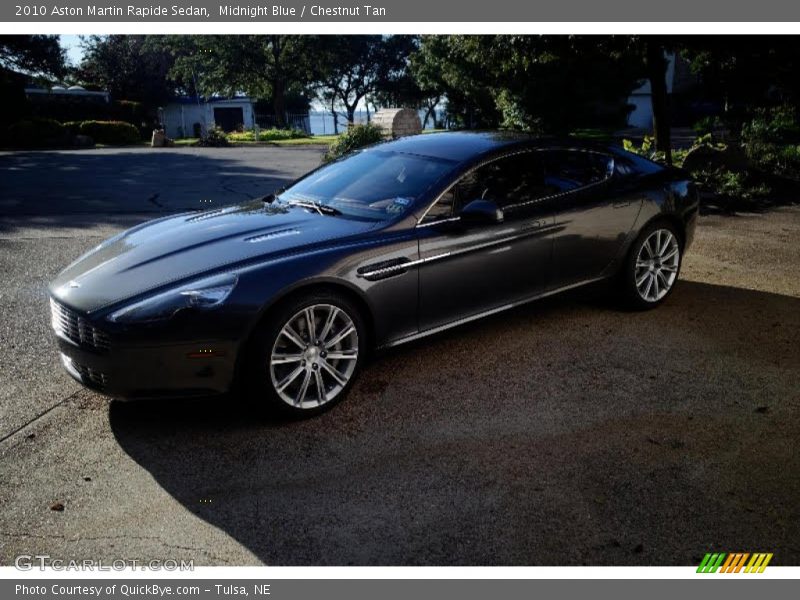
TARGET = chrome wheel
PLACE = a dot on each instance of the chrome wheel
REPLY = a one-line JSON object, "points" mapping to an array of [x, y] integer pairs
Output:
{"points": [[314, 356], [657, 265]]}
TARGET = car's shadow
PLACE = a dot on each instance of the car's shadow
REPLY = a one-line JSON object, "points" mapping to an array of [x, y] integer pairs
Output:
{"points": [[564, 432]]}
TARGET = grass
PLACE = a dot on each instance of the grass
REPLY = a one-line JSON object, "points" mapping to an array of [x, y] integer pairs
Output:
{"points": [[592, 134], [309, 141], [305, 141]]}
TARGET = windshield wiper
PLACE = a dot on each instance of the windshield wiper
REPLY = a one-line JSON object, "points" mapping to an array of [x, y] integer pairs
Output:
{"points": [[322, 209]]}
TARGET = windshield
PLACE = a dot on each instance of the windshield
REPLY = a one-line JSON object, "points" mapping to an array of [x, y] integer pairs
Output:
{"points": [[372, 185]]}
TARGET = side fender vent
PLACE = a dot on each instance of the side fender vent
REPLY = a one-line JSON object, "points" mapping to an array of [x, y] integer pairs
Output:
{"points": [[384, 269]]}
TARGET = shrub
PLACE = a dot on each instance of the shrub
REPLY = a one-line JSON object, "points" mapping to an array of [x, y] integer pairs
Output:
{"points": [[214, 138], [725, 184], [731, 187], [355, 137], [110, 132], [772, 125], [73, 127], [267, 135], [707, 125], [647, 149], [770, 140], [36, 133]]}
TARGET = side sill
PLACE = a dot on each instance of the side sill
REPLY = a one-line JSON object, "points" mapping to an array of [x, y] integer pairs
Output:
{"points": [[480, 315]]}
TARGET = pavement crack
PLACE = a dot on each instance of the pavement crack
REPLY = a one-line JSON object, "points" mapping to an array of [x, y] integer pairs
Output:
{"points": [[38, 416], [227, 187]]}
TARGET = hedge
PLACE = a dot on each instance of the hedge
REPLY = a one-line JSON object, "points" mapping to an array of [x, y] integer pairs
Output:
{"points": [[267, 135], [36, 133], [110, 132]]}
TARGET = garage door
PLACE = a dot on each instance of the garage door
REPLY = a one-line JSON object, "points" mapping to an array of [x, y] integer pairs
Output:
{"points": [[229, 119]]}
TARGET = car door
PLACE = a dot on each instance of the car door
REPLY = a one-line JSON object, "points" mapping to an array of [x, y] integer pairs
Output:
{"points": [[469, 269], [593, 214]]}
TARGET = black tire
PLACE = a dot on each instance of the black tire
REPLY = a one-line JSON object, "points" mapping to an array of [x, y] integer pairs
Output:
{"points": [[261, 374], [630, 293]]}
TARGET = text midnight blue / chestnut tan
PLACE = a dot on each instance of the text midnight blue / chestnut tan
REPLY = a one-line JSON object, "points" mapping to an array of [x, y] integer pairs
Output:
{"points": [[230, 10]]}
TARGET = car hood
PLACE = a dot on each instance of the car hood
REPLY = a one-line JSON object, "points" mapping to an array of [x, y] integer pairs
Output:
{"points": [[178, 247]]}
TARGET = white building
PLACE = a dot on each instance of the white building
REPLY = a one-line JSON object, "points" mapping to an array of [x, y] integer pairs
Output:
{"points": [[641, 116], [192, 117], [680, 83]]}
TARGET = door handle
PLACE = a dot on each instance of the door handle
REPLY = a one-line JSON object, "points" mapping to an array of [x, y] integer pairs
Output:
{"points": [[620, 204]]}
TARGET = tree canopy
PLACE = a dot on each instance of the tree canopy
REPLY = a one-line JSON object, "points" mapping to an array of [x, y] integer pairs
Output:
{"points": [[32, 55], [131, 67]]}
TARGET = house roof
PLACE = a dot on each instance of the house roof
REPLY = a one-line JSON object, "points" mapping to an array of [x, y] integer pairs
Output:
{"points": [[211, 100]]}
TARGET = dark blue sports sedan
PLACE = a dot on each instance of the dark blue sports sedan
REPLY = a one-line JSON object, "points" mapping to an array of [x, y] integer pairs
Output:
{"points": [[288, 294]]}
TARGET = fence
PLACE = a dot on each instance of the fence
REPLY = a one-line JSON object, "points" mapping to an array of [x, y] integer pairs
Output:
{"points": [[318, 122], [299, 121]]}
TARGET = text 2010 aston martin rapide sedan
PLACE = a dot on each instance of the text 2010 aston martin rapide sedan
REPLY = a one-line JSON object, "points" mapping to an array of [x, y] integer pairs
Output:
{"points": [[403, 239]]}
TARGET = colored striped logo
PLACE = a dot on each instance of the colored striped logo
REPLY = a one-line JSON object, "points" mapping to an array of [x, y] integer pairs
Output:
{"points": [[734, 562]]}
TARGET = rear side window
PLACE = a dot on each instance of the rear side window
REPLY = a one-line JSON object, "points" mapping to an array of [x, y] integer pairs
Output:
{"points": [[568, 170]]}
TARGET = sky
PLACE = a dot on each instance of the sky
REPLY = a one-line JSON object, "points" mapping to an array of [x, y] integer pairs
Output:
{"points": [[72, 45]]}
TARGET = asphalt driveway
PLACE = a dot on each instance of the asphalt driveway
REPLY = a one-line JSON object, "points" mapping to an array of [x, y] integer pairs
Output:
{"points": [[141, 179], [565, 432]]}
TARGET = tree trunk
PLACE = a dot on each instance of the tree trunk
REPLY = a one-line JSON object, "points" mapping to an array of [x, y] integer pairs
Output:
{"points": [[335, 117], [430, 110], [656, 73], [279, 103]]}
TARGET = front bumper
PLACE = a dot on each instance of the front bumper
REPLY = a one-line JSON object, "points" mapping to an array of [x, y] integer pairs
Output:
{"points": [[152, 372], [155, 362]]}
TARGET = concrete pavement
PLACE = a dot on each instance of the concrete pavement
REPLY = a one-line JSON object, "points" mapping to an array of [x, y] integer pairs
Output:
{"points": [[564, 432]]}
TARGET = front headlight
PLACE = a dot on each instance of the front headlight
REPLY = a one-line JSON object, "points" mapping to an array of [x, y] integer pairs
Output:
{"points": [[202, 294]]}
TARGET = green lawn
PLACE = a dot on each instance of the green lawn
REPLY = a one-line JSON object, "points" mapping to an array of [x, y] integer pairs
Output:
{"points": [[315, 140], [186, 141], [309, 141]]}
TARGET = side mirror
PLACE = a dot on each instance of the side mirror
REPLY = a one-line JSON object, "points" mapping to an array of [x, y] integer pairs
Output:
{"points": [[481, 212]]}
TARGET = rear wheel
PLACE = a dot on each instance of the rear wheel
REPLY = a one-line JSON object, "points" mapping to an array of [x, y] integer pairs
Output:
{"points": [[652, 267], [308, 353]]}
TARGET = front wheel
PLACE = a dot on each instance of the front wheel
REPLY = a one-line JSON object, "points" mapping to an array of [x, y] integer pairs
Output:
{"points": [[652, 267], [307, 354]]}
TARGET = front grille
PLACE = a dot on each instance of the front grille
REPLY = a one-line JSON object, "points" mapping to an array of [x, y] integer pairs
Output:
{"points": [[87, 374], [69, 324]]}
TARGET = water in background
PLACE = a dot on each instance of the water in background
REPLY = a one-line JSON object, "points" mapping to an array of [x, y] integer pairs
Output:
{"points": [[321, 123]]}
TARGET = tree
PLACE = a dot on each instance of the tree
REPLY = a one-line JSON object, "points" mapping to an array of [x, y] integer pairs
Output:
{"points": [[23, 57], [744, 73], [399, 85], [353, 67], [551, 84], [130, 67], [36, 55], [263, 66], [452, 67], [656, 63]]}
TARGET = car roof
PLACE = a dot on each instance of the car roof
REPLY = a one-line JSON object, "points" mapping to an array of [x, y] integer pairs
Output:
{"points": [[464, 146]]}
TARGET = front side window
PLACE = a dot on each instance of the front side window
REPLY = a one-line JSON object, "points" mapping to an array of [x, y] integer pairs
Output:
{"points": [[375, 185], [511, 180]]}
